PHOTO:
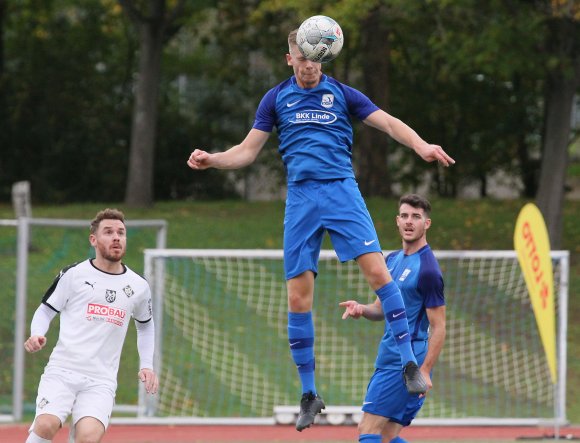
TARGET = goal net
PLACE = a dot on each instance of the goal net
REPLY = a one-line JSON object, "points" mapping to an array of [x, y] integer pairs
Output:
{"points": [[222, 348]]}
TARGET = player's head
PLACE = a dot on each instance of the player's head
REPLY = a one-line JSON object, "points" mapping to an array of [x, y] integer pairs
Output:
{"points": [[307, 72], [416, 201], [108, 234], [413, 218]]}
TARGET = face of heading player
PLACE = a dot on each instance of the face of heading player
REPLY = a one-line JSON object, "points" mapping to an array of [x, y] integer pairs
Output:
{"points": [[110, 240], [307, 72]]}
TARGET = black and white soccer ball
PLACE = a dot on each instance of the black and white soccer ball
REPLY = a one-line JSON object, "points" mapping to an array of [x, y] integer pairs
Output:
{"points": [[320, 39]]}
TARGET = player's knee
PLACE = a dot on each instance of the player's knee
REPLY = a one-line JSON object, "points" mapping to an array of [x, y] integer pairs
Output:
{"points": [[46, 426], [378, 276], [299, 303], [369, 425]]}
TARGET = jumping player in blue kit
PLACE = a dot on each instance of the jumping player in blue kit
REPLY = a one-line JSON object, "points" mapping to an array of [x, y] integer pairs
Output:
{"points": [[311, 113], [387, 406]]}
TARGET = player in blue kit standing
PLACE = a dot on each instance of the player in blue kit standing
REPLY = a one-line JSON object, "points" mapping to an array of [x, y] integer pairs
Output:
{"points": [[388, 407], [312, 112]]}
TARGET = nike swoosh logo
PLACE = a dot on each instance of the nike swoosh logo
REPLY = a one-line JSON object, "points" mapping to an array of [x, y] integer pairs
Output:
{"points": [[390, 270], [290, 104], [369, 242], [294, 343], [397, 315], [403, 335], [367, 402]]}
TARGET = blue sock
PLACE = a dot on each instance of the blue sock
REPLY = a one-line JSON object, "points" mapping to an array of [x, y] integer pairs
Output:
{"points": [[398, 440], [396, 315], [301, 340], [370, 438]]}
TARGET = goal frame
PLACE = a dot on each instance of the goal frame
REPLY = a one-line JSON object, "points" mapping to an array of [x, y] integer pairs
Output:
{"points": [[146, 409]]}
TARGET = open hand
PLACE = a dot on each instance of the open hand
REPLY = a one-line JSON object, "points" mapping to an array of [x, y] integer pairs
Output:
{"points": [[149, 378]]}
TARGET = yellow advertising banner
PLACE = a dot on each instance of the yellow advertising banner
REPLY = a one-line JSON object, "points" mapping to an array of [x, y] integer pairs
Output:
{"points": [[532, 245]]}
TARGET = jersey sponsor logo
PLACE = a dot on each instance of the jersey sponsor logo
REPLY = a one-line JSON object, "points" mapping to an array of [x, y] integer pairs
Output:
{"points": [[314, 116], [369, 242], [290, 104], [110, 295], [104, 313], [327, 100], [128, 290], [405, 274]]}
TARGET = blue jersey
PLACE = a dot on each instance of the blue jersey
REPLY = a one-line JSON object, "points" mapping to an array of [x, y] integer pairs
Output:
{"points": [[419, 278], [314, 126]]}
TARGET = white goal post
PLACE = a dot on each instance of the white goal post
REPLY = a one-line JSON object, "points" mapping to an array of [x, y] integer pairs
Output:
{"points": [[222, 351]]}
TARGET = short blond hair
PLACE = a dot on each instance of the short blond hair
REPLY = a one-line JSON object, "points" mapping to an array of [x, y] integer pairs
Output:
{"points": [[292, 39], [106, 214]]}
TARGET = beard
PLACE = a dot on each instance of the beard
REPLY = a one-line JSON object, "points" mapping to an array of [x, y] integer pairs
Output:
{"points": [[112, 255]]}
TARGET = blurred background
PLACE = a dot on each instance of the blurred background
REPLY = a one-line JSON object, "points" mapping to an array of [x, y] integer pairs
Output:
{"points": [[103, 101]]}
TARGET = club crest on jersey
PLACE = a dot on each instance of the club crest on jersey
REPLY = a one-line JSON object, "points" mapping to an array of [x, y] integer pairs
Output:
{"points": [[110, 295], [405, 274], [128, 290], [327, 100]]}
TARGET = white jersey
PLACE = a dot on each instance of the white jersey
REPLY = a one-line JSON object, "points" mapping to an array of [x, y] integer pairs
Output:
{"points": [[95, 309]]}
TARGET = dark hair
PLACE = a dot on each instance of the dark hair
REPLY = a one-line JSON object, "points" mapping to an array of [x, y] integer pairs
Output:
{"points": [[106, 214], [416, 201]]}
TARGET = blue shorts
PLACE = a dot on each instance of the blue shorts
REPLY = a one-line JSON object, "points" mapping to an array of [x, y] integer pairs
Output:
{"points": [[387, 395], [316, 206]]}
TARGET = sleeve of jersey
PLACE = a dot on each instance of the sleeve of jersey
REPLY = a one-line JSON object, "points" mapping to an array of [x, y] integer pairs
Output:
{"points": [[145, 343], [430, 283], [143, 311], [57, 295], [359, 104], [266, 113], [41, 320]]}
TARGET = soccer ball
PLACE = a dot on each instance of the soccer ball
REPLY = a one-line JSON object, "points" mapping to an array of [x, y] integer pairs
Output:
{"points": [[319, 39]]}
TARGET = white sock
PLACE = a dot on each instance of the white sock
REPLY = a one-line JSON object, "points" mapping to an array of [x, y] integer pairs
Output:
{"points": [[33, 438]]}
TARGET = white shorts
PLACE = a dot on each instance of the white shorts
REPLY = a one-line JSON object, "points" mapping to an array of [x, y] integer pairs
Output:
{"points": [[62, 392]]}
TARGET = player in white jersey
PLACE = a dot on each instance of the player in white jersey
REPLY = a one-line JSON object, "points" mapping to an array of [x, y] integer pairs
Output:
{"points": [[95, 299]]}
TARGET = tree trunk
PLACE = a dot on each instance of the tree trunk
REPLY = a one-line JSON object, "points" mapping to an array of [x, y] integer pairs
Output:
{"points": [[561, 87], [2, 21], [155, 29], [372, 147], [139, 190]]}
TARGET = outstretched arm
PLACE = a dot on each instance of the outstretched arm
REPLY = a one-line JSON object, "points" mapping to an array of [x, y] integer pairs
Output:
{"points": [[236, 157], [372, 311], [405, 135]]}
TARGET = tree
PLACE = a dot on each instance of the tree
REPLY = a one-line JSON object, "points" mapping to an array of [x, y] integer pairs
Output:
{"points": [[563, 81], [156, 26]]}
